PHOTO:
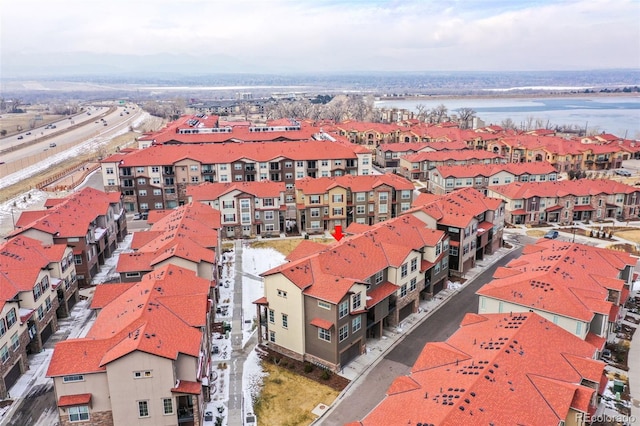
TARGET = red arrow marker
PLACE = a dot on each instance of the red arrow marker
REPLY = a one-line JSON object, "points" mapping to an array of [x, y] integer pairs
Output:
{"points": [[337, 233]]}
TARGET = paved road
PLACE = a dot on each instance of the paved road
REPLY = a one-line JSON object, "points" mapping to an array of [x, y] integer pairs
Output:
{"points": [[364, 396]]}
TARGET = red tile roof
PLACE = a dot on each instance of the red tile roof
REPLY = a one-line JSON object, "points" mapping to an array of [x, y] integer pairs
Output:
{"points": [[77, 399], [466, 154], [567, 279], [354, 183], [106, 293], [457, 208], [487, 170], [186, 386], [379, 293], [497, 369], [581, 187], [260, 189], [322, 323], [330, 273], [161, 315]]}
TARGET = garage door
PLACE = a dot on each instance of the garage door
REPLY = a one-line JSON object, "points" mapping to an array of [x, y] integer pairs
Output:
{"points": [[47, 332], [406, 311], [12, 376], [347, 356], [72, 301]]}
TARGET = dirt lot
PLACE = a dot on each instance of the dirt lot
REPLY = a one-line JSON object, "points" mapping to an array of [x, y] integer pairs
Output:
{"points": [[287, 246], [18, 122], [631, 235], [291, 391]]}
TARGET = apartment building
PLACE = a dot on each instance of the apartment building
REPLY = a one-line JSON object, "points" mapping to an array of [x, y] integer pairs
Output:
{"points": [[388, 154], [445, 179], [566, 201], [563, 154], [324, 203], [248, 208], [473, 222], [497, 369], [37, 285], [145, 360], [417, 166], [90, 221], [188, 236], [576, 286], [205, 128], [157, 177], [326, 301]]}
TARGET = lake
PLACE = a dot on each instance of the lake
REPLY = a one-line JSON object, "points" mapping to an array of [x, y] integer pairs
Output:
{"points": [[619, 115]]}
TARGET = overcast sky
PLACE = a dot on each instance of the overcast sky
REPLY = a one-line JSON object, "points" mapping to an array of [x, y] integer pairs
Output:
{"points": [[322, 35]]}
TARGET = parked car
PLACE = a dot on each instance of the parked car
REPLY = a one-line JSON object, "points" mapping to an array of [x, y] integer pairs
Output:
{"points": [[28, 133], [52, 145], [552, 234], [606, 354], [140, 216], [621, 172], [20, 137]]}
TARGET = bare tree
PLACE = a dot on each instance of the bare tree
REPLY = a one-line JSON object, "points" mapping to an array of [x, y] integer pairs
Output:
{"points": [[508, 123], [245, 110], [422, 112], [465, 116], [439, 113], [15, 104]]}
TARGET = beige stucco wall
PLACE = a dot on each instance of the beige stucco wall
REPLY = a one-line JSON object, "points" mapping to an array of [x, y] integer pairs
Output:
{"points": [[292, 337], [126, 391], [492, 305], [95, 384]]}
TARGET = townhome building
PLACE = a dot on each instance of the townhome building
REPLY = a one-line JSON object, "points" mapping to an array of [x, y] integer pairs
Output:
{"points": [[324, 303], [473, 222], [37, 286], [388, 154], [146, 358], [188, 236], [576, 286], [569, 200], [324, 203], [90, 221], [417, 166], [157, 177], [248, 209], [445, 179], [497, 369]]}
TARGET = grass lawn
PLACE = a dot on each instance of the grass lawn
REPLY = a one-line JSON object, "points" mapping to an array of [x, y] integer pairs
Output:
{"points": [[631, 235], [288, 398], [536, 233], [287, 246], [629, 248]]}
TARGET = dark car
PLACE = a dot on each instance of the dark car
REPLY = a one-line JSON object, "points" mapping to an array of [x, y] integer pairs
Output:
{"points": [[140, 216], [551, 234], [20, 137]]}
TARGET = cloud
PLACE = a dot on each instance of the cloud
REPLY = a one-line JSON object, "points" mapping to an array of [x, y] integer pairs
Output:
{"points": [[336, 35]]}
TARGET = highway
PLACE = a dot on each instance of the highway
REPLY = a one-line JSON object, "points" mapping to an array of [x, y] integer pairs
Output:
{"points": [[16, 154]]}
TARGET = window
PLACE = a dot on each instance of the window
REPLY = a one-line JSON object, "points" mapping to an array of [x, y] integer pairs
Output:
{"points": [[47, 303], [109, 170], [11, 318], [445, 263], [15, 342], [282, 293], [79, 413], [403, 290], [361, 196], [314, 199], [315, 212], [324, 334], [268, 215], [158, 205], [142, 374], [436, 269], [143, 408], [383, 208], [272, 316], [40, 312], [142, 181], [343, 333], [453, 251], [3, 327], [356, 300], [413, 284], [343, 309], [337, 198], [377, 278], [167, 405], [285, 320], [324, 163], [414, 264], [356, 324], [155, 169], [4, 353], [405, 206], [324, 305], [73, 378], [272, 336], [360, 209], [337, 212], [403, 270]]}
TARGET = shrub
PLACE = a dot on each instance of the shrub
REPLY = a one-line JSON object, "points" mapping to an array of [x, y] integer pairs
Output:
{"points": [[326, 375], [308, 368]]}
